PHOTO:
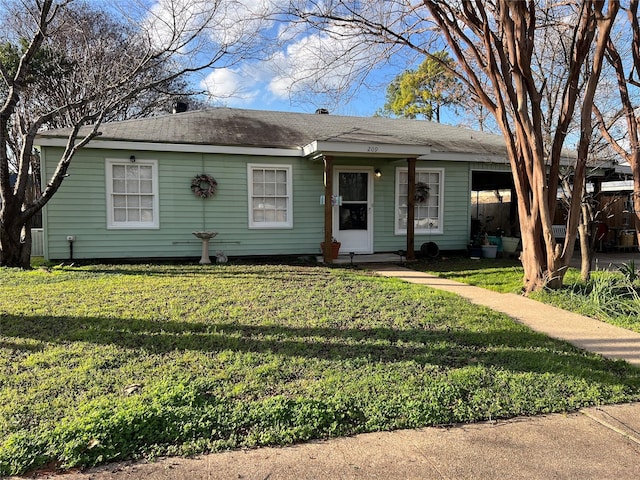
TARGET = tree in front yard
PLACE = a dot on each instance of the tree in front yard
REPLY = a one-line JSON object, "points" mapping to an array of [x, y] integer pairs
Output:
{"points": [[496, 44]]}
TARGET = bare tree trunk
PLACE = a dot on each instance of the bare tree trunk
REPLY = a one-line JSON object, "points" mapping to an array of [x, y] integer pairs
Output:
{"points": [[15, 242], [634, 160], [586, 247]]}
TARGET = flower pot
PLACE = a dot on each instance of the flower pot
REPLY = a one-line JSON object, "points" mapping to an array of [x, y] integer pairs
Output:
{"points": [[475, 252], [489, 251], [510, 244], [335, 249]]}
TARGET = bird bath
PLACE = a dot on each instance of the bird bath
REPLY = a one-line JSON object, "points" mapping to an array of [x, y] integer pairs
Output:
{"points": [[205, 237]]}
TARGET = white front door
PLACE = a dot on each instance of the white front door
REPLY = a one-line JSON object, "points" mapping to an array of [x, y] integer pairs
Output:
{"points": [[353, 217]]}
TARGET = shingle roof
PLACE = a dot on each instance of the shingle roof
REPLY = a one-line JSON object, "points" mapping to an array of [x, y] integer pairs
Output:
{"points": [[270, 129]]}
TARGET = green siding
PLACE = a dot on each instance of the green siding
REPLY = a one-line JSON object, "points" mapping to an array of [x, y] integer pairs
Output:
{"points": [[79, 208]]}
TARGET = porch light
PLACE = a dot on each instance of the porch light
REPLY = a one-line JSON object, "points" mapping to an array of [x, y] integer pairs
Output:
{"points": [[377, 172], [132, 158]]}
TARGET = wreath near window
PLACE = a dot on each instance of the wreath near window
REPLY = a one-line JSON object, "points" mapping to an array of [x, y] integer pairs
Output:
{"points": [[422, 192], [204, 186]]}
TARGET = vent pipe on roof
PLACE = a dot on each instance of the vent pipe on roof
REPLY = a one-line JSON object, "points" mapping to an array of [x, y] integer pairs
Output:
{"points": [[322, 111], [180, 107]]}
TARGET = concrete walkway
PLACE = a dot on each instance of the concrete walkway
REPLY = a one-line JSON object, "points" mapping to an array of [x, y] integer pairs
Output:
{"points": [[586, 333], [594, 443]]}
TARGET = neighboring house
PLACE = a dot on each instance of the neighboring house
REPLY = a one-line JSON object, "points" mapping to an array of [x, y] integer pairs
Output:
{"points": [[128, 192]]}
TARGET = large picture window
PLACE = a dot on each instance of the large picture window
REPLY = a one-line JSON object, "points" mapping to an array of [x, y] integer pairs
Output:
{"points": [[270, 196], [428, 213], [132, 197]]}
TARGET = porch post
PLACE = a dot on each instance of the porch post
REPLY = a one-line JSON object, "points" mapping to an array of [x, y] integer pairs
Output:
{"points": [[411, 202], [328, 208]]}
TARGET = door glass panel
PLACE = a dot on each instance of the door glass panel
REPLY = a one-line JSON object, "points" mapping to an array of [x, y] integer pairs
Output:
{"points": [[353, 186], [353, 217]]}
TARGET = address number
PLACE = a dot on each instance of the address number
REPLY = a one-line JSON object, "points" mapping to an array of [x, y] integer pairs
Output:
{"points": [[372, 149]]}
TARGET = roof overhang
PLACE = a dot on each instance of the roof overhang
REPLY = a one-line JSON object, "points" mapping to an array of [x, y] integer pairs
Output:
{"points": [[174, 147], [319, 148]]}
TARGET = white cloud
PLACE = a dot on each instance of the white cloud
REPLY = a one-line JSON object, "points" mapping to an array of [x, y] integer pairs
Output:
{"points": [[234, 86], [232, 24], [320, 62]]}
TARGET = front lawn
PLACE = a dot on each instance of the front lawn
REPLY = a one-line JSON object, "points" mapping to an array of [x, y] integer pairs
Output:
{"points": [[101, 363]]}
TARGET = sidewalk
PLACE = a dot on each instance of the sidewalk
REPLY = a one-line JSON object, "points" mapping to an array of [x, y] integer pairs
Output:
{"points": [[594, 443]]}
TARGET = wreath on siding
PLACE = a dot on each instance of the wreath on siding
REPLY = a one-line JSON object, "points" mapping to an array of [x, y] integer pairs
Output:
{"points": [[204, 186], [422, 192]]}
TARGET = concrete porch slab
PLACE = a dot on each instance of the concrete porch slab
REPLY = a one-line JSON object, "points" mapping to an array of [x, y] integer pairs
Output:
{"points": [[360, 259]]}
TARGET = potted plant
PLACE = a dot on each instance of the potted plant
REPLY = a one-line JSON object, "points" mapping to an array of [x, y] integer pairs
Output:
{"points": [[489, 250], [335, 248], [475, 247]]}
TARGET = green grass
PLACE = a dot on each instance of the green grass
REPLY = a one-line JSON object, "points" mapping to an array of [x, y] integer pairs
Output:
{"points": [[500, 274], [611, 297], [104, 363]]}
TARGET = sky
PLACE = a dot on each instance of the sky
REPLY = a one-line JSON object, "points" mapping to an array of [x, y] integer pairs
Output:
{"points": [[290, 65]]}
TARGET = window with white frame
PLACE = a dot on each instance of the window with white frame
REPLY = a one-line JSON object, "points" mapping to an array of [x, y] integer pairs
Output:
{"points": [[428, 212], [270, 196], [132, 193]]}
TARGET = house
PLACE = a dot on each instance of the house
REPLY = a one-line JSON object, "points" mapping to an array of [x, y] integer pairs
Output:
{"points": [[285, 182]]}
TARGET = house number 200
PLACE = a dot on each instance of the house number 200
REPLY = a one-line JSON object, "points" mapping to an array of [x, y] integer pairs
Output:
{"points": [[372, 149]]}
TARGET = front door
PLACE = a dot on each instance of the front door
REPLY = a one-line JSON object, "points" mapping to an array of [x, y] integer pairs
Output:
{"points": [[353, 217]]}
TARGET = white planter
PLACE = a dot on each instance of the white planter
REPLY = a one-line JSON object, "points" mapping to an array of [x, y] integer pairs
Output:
{"points": [[489, 251], [510, 244]]}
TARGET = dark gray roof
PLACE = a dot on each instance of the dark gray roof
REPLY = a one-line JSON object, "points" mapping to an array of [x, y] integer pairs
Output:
{"points": [[257, 128]]}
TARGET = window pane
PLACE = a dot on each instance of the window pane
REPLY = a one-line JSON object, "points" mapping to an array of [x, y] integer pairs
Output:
{"points": [[270, 188], [353, 186], [145, 172], [118, 171], [281, 216], [258, 188], [119, 214], [281, 189], [146, 201], [258, 175], [269, 176], [118, 186], [146, 215], [133, 201], [269, 216], [258, 215], [133, 215], [132, 171], [132, 186], [146, 186], [119, 201], [281, 176], [281, 203]]}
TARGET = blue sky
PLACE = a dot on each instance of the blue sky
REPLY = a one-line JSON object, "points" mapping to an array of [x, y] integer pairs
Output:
{"points": [[290, 66]]}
